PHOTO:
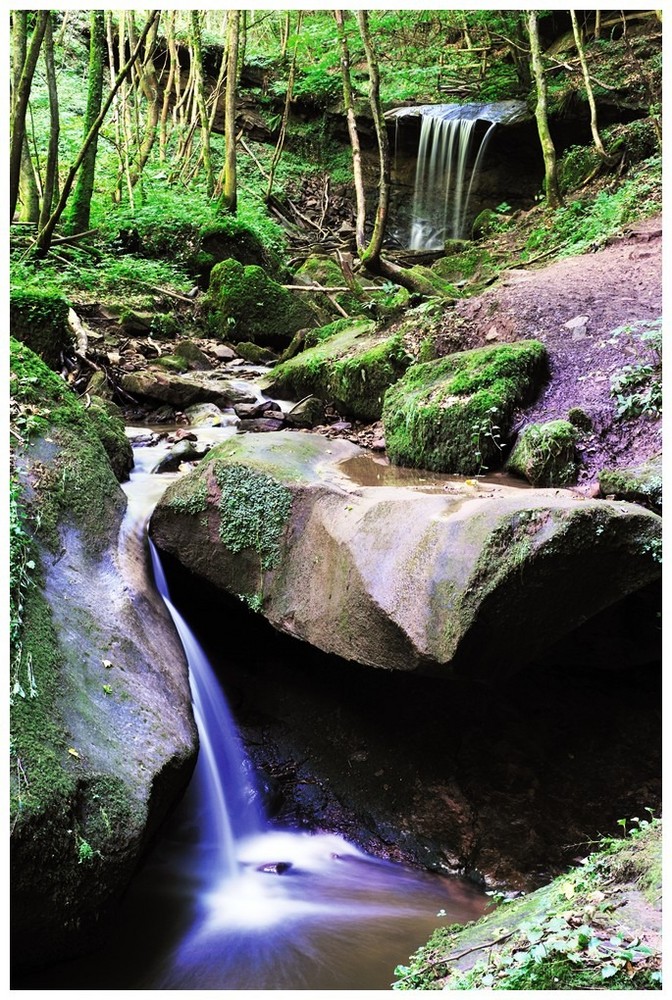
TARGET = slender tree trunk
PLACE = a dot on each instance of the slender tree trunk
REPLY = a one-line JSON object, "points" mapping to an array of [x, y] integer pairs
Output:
{"points": [[51, 169], [195, 26], [148, 84], [598, 25], [288, 101], [360, 195], [23, 74], [371, 255], [229, 197], [45, 235], [80, 210], [551, 187], [170, 83], [29, 196], [589, 91]]}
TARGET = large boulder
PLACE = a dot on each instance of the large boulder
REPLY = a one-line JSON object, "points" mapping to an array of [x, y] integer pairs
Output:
{"points": [[349, 362], [184, 390], [102, 733], [454, 414], [545, 454], [245, 304], [39, 318], [469, 580]]}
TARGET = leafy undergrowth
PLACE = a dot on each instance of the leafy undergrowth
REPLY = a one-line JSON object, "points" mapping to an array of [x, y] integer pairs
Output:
{"points": [[596, 927]]}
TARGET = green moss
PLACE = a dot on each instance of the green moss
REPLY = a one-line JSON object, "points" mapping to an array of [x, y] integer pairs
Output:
{"points": [[39, 318], [545, 454], [246, 304], [110, 429], [254, 509], [642, 484], [580, 419], [188, 495], [453, 414], [171, 363], [348, 365], [429, 283], [70, 475], [254, 354]]}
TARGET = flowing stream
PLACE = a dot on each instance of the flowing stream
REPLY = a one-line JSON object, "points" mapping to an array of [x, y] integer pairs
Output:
{"points": [[227, 901]]}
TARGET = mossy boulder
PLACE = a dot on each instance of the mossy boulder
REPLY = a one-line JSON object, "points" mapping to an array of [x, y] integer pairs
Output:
{"points": [[231, 238], [394, 578], [195, 358], [427, 282], [469, 264], [245, 304], [322, 270], [454, 414], [641, 484], [254, 354], [102, 739], [350, 363], [545, 454], [39, 318]]}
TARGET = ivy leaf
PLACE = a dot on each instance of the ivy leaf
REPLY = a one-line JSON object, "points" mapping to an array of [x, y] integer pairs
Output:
{"points": [[608, 971]]}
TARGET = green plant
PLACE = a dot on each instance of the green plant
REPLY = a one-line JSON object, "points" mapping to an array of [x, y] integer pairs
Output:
{"points": [[638, 388], [487, 429]]}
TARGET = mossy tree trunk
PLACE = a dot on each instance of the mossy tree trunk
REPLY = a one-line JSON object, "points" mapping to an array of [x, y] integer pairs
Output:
{"points": [[229, 196], [147, 83], [25, 61], [597, 139], [370, 256], [51, 170], [80, 210], [551, 186], [348, 104]]}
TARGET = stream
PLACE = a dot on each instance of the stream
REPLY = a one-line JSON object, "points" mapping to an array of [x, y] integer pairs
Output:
{"points": [[226, 900]]}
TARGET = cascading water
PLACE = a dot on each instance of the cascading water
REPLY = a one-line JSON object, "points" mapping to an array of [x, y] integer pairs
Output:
{"points": [[227, 902], [443, 184]]}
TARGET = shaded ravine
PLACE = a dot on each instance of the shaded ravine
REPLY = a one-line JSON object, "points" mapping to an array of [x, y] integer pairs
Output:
{"points": [[226, 902]]}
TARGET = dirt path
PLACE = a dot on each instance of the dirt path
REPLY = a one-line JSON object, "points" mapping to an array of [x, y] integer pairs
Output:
{"points": [[619, 286]]}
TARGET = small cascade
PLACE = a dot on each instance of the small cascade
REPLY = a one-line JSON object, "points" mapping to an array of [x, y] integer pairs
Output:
{"points": [[443, 183], [230, 805]]}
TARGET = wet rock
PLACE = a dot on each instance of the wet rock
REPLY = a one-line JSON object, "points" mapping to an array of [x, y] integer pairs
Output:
{"points": [[398, 579], [224, 353], [195, 358], [182, 391], [183, 451], [275, 867], [248, 411], [261, 425], [308, 413], [545, 454], [204, 415]]}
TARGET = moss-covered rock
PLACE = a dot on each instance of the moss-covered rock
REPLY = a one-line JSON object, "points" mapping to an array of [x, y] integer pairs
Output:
{"points": [[322, 270], [349, 364], [596, 928], [545, 454], [92, 774], [111, 431], [454, 414], [40, 320], [194, 357], [641, 484], [468, 264], [428, 282], [244, 303], [254, 354]]}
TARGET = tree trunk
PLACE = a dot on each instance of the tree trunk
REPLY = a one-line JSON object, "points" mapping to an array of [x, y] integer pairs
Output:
{"points": [[200, 101], [229, 197], [45, 235], [80, 211], [148, 84], [551, 187], [288, 100], [29, 197], [51, 169], [23, 75], [360, 195], [370, 257], [609, 160]]}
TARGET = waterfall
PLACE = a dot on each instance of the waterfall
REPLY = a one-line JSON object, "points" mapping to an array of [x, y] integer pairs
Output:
{"points": [[230, 804], [443, 184]]}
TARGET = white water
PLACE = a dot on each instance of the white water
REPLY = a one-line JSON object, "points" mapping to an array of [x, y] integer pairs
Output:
{"points": [[443, 182], [203, 914]]}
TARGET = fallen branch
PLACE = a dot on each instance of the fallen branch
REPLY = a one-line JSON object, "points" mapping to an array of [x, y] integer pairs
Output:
{"points": [[330, 288], [74, 237], [460, 954], [161, 291]]}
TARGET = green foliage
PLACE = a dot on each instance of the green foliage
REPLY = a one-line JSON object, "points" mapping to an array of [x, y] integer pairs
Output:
{"points": [[583, 225], [38, 315], [638, 388], [21, 571], [562, 937], [254, 509], [192, 497], [452, 414]]}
